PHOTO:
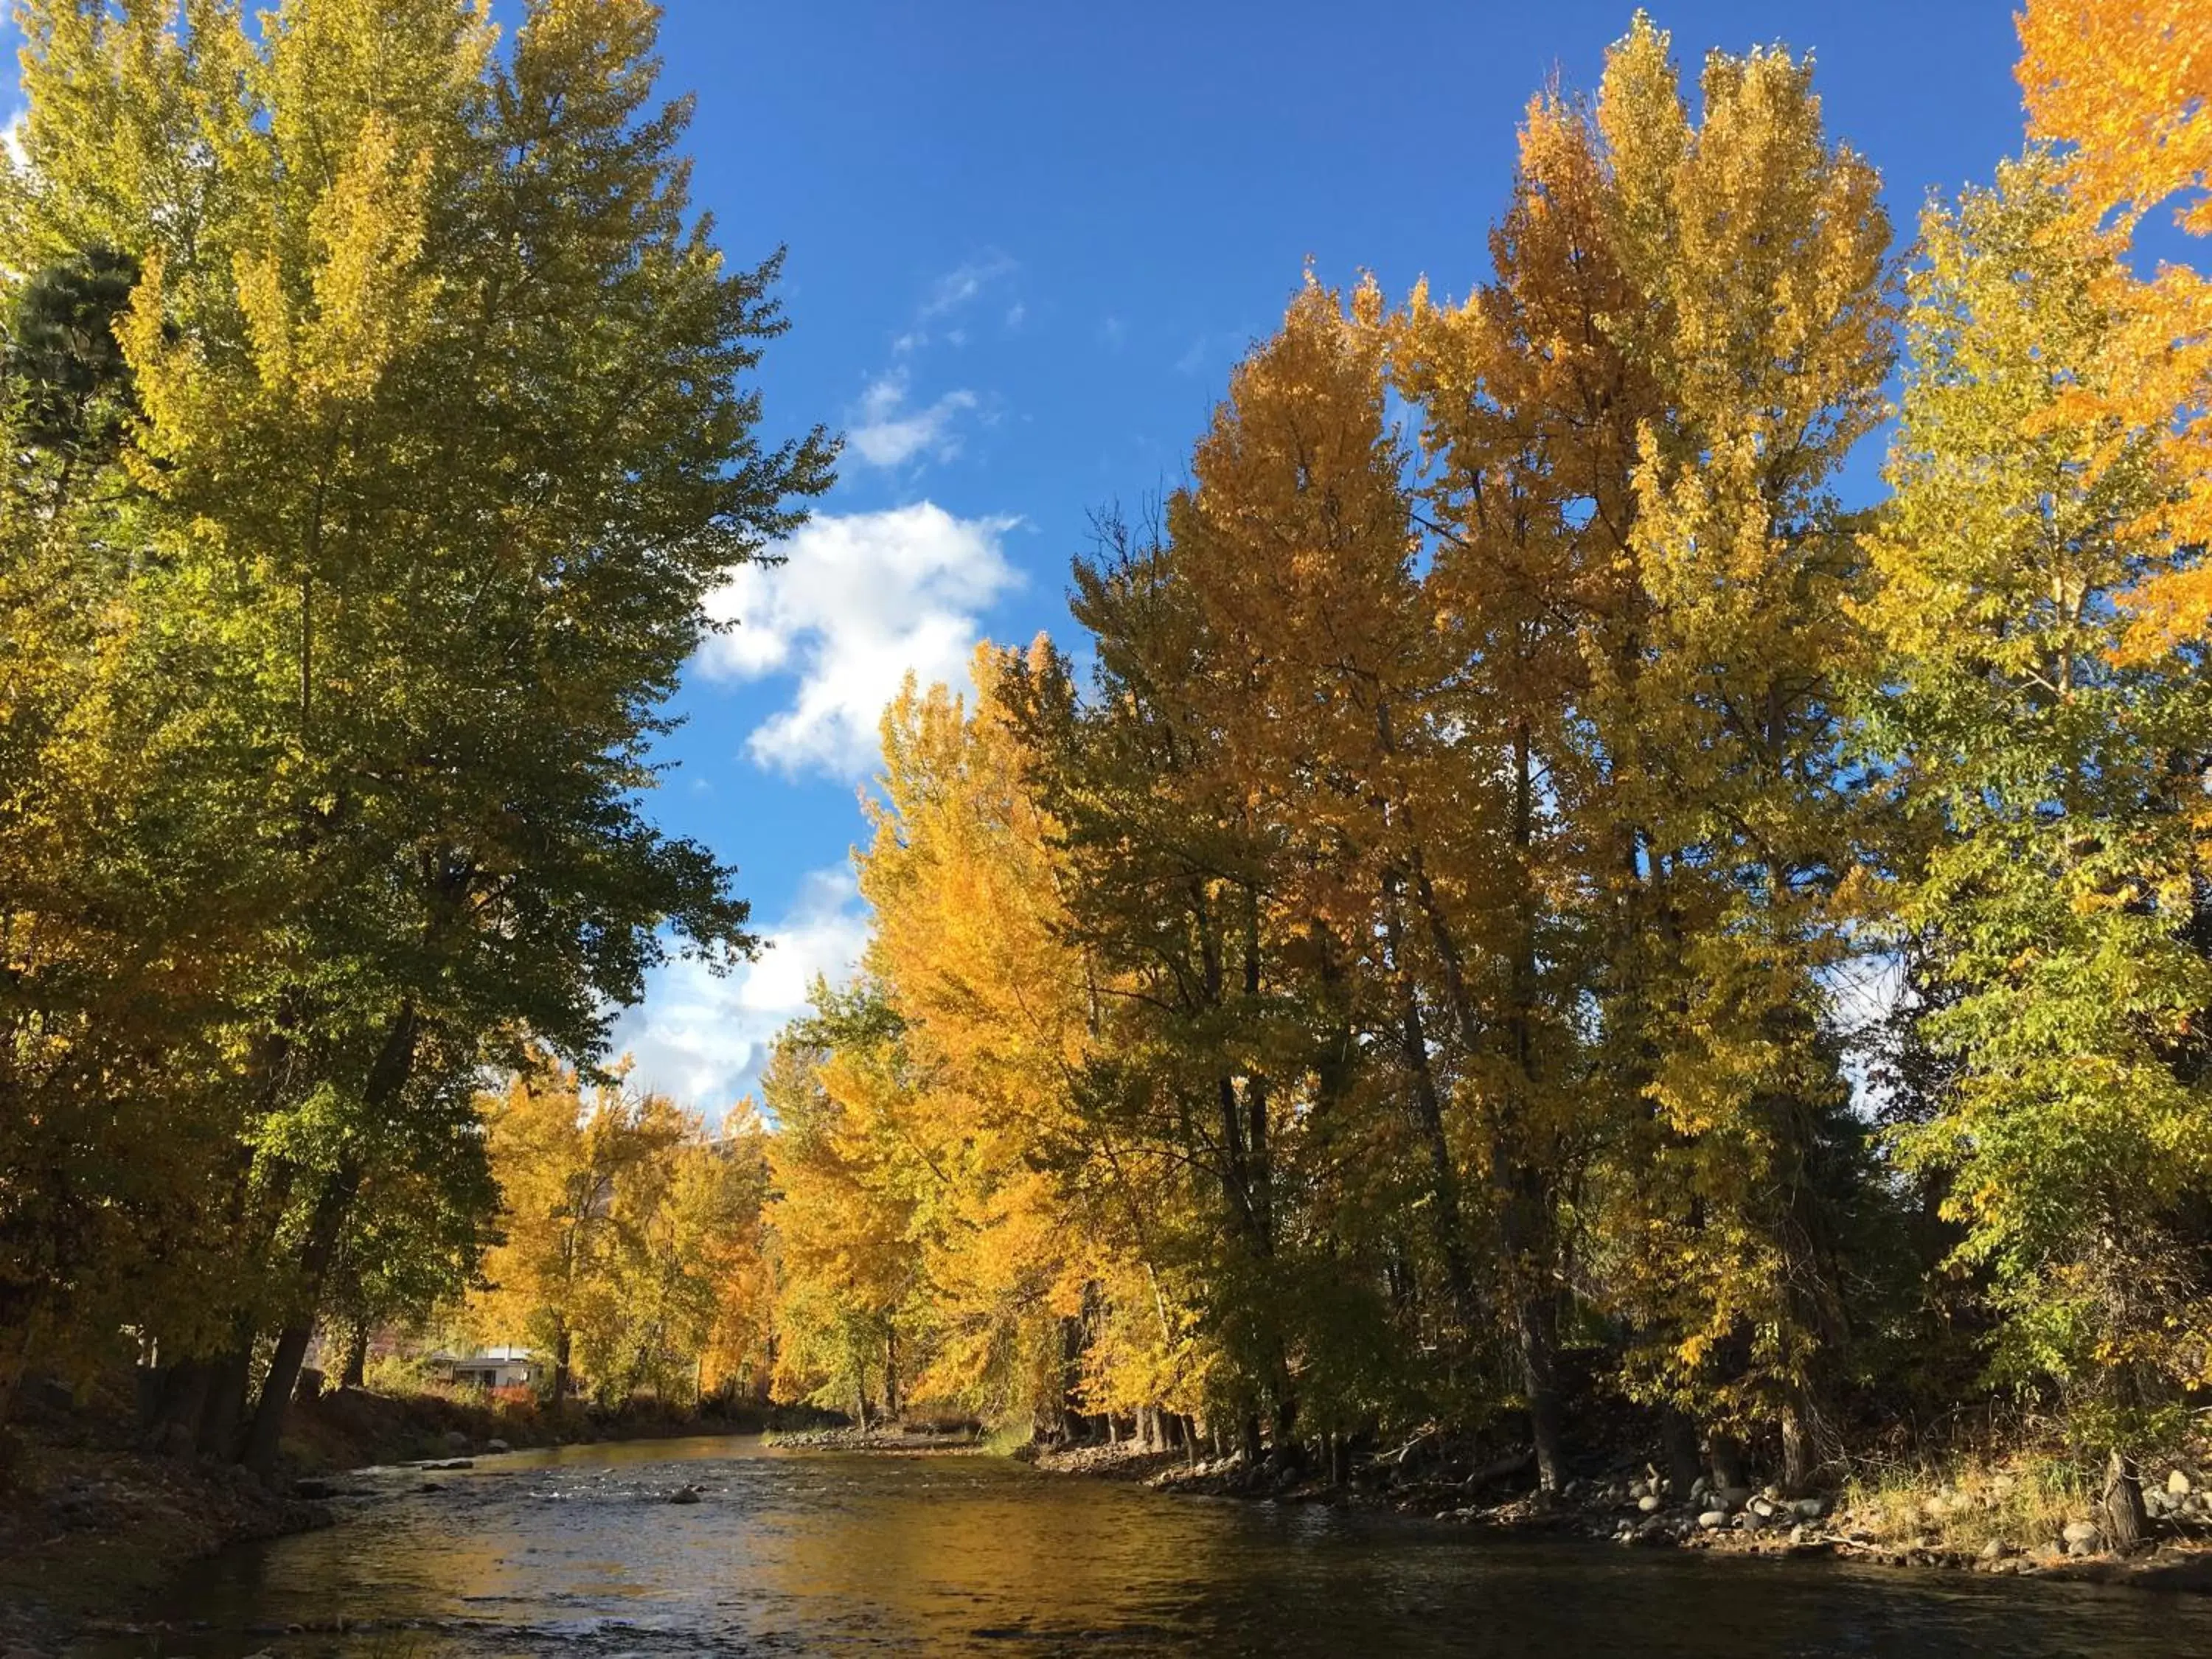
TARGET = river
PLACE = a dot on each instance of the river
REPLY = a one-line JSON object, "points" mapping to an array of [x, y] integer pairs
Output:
{"points": [[576, 1552]]}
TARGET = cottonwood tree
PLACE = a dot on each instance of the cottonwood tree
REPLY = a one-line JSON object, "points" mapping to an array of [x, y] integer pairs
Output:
{"points": [[440, 437]]}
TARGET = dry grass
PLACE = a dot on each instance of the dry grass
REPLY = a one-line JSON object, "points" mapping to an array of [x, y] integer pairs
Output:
{"points": [[2021, 1501]]}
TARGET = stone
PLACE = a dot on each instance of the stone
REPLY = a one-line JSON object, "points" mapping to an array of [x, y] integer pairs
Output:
{"points": [[1733, 1498], [496, 1446], [2079, 1532], [1809, 1508], [684, 1495], [1713, 1520], [1762, 1506], [456, 1441], [2176, 1483], [1996, 1550], [1647, 1504]]}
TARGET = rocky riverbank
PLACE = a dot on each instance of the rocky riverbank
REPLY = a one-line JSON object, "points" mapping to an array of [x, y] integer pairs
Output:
{"points": [[897, 1437], [86, 1532], [1970, 1525]]}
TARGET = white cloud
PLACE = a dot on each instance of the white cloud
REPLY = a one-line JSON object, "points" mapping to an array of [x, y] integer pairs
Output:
{"points": [[958, 287], [886, 433], [861, 599], [703, 1041]]}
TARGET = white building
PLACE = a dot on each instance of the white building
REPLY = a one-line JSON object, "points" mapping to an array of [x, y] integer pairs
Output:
{"points": [[504, 1366]]}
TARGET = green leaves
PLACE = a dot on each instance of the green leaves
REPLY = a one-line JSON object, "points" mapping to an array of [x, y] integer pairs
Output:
{"points": [[422, 434]]}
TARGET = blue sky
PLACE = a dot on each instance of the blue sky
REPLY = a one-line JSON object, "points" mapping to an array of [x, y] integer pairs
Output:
{"points": [[1026, 243]]}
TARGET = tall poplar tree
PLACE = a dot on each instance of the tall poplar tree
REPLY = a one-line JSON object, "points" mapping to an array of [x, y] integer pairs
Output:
{"points": [[2058, 787], [441, 437]]}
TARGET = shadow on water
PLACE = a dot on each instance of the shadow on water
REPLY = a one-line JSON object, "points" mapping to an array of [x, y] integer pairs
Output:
{"points": [[577, 1551]]}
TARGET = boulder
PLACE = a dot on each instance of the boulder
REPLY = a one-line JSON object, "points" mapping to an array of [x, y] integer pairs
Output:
{"points": [[496, 1446], [1713, 1520], [1647, 1504], [1996, 1550], [684, 1495], [2080, 1532], [1810, 1509], [456, 1441]]}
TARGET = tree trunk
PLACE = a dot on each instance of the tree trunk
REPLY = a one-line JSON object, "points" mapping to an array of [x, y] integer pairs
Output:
{"points": [[1728, 1468], [1678, 1439], [562, 1381], [1429, 1118], [1797, 1454], [174, 1424], [265, 1432], [14, 1362], [380, 1090], [225, 1403], [325, 1228], [355, 1374], [2125, 1519]]}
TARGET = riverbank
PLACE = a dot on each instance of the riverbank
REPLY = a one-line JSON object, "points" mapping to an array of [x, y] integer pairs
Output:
{"points": [[900, 1437], [1960, 1525], [89, 1525]]}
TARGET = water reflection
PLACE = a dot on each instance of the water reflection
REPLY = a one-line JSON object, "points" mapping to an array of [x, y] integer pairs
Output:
{"points": [[576, 1552]]}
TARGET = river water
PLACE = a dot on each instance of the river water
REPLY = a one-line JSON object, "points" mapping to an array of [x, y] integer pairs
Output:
{"points": [[576, 1553]]}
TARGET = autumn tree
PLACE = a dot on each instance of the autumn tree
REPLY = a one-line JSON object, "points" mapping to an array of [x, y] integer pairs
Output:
{"points": [[2056, 782], [965, 882], [2126, 89], [439, 434], [847, 1179]]}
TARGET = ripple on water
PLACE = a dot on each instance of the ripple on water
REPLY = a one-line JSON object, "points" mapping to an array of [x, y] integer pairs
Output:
{"points": [[576, 1553]]}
